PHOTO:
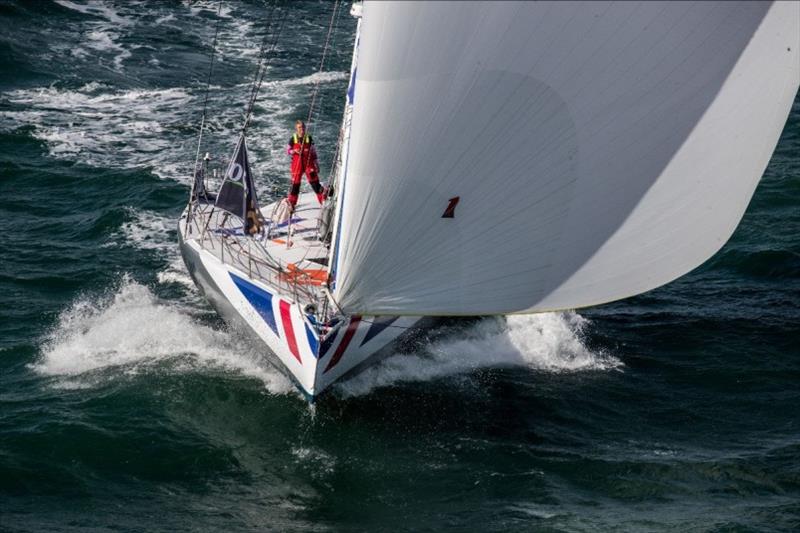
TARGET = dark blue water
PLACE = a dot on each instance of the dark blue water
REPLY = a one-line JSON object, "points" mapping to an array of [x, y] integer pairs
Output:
{"points": [[125, 405]]}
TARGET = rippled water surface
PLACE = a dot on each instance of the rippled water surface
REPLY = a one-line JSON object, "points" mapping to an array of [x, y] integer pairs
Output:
{"points": [[126, 405]]}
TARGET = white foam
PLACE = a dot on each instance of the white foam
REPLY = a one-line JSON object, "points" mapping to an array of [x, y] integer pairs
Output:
{"points": [[238, 36], [103, 127], [99, 35], [100, 127], [149, 230], [318, 462], [147, 128], [549, 342], [311, 79], [212, 7], [132, 332], [152, 231], [78, 53], [175, 274], [166, 18], [95, 8], [100, 40]]}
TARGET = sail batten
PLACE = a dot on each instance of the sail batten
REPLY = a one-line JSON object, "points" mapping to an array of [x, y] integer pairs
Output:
{"points": [[598, 149]]}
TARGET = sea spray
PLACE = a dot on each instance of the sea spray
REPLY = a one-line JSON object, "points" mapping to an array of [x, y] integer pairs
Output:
{"points": [[131, 332], [551, 342]]}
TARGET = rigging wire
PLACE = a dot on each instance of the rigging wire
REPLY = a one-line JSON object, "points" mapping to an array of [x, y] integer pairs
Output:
{"points": [[205, 99], [330, 40], [261, 54], [192, 192], [262, 68], [334, 165], [318, 109], [332, 47], [322, 61], [264, 58]]}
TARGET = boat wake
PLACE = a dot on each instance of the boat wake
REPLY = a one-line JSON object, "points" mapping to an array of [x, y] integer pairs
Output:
{"points": [[550, 342], [133, 333], [130, 332]]}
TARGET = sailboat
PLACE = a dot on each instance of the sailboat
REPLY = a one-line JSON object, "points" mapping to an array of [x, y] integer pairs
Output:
{"points": [[500, 158]]}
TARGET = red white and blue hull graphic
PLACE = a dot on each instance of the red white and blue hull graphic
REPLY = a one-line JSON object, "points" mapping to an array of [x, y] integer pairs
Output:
{"points": [[313, 357]]}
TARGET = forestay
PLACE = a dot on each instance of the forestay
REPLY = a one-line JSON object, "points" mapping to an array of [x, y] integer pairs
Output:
{"points": [[597, 150]]}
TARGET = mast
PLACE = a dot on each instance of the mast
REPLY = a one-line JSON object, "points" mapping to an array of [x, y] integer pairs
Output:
{"points": [[339, 182]]}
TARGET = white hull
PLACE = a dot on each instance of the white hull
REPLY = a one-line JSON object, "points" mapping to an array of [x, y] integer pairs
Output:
{"points": [[314, 357]]}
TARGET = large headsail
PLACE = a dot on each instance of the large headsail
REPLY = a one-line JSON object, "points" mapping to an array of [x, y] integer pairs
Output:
{"points": [[586, 152]]}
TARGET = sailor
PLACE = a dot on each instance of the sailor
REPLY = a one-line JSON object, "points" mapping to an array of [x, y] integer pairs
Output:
{"points": [[304, 161]]}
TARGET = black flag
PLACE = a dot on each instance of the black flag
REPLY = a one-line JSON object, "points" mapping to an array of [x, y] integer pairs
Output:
{"points": [[199, 192], [237, 194]]}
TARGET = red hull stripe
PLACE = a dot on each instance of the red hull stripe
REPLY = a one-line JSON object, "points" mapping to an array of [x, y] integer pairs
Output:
{"points": [[286, 318], [348, 336]]}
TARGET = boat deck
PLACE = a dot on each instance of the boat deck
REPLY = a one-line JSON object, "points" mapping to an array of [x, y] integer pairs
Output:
{"points": [[288, 255]]}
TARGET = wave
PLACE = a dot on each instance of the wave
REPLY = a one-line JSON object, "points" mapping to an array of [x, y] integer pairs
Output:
{"points": [[149, 230], [98, 9], [549, 342], [152, 231], [132, 332], [146, 128], [759, 261], [116, 129], [103, 40], [317, 77], [101, 36]]}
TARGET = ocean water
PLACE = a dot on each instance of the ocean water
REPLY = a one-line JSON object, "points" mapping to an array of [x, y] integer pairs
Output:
{"points": [[126, 405]]}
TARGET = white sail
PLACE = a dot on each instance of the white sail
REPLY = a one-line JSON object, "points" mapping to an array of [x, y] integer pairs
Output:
{"points": [[597, 150]]}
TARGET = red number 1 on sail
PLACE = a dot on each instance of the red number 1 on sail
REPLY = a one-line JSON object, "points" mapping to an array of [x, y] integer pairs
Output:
{"points": [[451, 208]]}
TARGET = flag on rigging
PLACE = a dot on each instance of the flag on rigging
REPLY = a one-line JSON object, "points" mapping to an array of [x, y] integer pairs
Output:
{"points": [[237, 194], [199, 191]]}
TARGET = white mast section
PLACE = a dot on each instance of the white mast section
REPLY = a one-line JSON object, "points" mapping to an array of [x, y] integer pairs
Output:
{"points": [[344, 149], [597, 149]]}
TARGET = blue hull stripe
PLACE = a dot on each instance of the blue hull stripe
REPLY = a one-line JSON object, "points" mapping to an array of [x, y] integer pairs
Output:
{"points": [[351, 91], [312, 341], [260, 299], [327, 341], [378, 324]]}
